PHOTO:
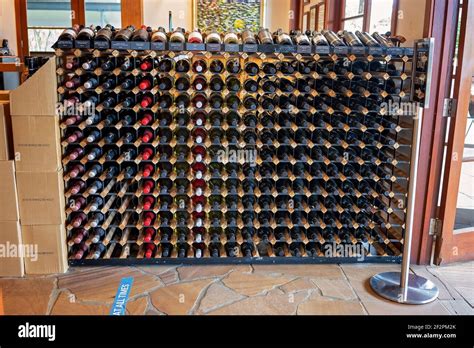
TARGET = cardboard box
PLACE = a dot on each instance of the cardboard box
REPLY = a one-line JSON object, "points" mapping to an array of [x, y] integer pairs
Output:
{"points": [[37, 96], [8, 192], [51, 245], [12, 250], [6, 138], [41, 198], [37, 143]]}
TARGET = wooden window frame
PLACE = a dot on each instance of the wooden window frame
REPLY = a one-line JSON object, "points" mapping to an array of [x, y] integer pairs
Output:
{"points": [[306, 14], [131, 13], [363, 15], [441, 18], [366, 15], [318, 11], [315, 7], [297, 7]]}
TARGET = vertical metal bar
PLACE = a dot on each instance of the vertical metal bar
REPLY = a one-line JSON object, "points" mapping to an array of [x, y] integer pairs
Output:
{"points": [[170, 21], [411, 204], [415, 152]]}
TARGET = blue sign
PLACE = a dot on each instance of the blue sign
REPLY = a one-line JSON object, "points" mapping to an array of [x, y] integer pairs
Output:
{"points": [[121, 298]]}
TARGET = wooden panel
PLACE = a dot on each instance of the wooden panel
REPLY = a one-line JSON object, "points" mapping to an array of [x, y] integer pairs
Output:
{"points": [[78, 8], [296, 19], [432, 142], [396, 6], [305, 25], [333, 17], [11, 67], [456, 247], [132, 13], [21, 29]]}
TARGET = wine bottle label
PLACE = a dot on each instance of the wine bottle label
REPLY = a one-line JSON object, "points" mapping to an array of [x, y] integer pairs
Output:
{"points": [[159, 36], [177, 36], [264, 37], [284, 39], [302, 39], [231, 38], [195, 37], [69, 32], [86, 33]]}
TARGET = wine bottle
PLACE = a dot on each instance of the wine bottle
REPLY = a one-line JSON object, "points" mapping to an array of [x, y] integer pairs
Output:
{"points": [[231, 38], [233, 66], [319, 39], [69, 34], [383, 41], [282, 38], [195, 36], [264, 37], [105, 33], [141, 34], [216, 66], [351, 39], [332, 38], [213, 37], [248, 37], [124, 34], [199, 66], [366, 39], [177, 35], [159, 35]]}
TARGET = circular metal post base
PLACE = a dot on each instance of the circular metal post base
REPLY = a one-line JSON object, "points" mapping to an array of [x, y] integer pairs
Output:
{"points": [[420, 290]]}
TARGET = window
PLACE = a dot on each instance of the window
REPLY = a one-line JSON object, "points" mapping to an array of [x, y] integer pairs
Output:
{"points": [[316, 16], [46, 19], [321, 16], [381, 16], [102, 12], [353, 16], [368, 15], [40, 22]]}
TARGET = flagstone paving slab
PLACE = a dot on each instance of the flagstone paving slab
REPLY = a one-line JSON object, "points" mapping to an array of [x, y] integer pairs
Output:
{"points": [[178, 298], [218, 295], [251, 284], [27, 296], [322, 306], [103, 284]]}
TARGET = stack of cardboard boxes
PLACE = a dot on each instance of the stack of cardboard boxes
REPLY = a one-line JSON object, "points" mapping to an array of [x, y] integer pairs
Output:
{"points": [[11, 251], [37, 154]]}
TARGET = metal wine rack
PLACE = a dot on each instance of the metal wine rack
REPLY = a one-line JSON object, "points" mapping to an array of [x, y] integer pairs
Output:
{"points": [[315, 175]]}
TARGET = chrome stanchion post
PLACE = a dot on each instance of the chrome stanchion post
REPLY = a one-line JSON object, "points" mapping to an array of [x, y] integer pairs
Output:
{"points": [[403, 287]]}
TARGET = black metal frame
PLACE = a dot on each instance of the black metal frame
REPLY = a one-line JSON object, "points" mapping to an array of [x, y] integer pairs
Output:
{"points": [[409, 52], [235, 261]]}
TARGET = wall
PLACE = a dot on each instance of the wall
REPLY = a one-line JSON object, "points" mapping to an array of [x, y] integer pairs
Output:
{"points": [[277, 14], [7, 23], [155, 13], [411, 19]]}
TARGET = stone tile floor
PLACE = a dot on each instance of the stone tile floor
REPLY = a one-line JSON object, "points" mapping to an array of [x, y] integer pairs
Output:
{"points": [[242, 289]]}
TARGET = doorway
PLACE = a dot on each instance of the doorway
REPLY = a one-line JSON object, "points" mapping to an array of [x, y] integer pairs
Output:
{"points": [[456, 200]]}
